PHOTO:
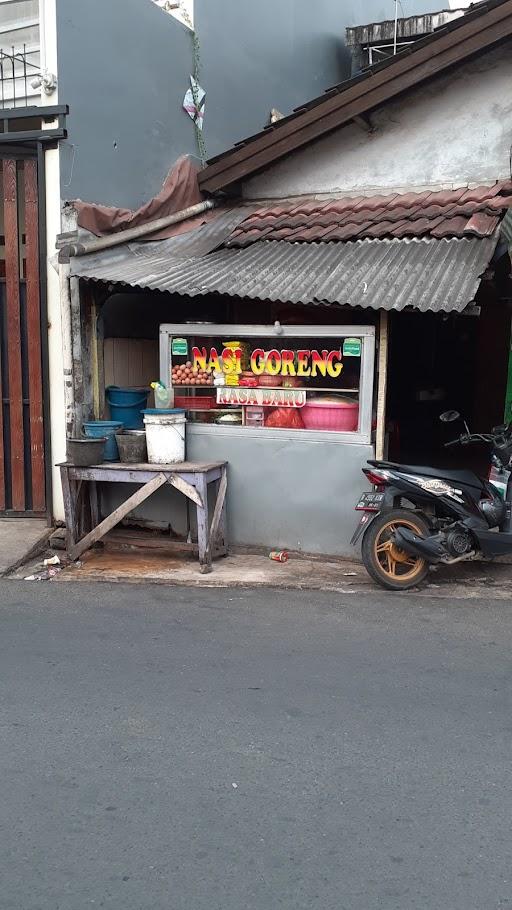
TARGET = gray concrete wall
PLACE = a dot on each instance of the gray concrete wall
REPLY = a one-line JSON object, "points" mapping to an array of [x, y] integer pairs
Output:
{"points": [[275, 53], [124, 66], [455, 130], [282, 492], [123, 69], [288, 493]]}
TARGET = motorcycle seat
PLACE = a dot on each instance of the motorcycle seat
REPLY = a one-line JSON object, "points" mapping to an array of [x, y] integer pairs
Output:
{"points": [[466, 477]]}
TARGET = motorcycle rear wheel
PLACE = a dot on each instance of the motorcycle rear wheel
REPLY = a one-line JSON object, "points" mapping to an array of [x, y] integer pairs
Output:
{"points": [[387, 564]]}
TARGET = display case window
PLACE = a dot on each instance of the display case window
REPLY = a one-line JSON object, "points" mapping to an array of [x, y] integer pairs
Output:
{"points": [[312, 379]]}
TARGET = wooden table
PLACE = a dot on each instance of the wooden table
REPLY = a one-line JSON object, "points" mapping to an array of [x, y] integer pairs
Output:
{"points": [[79, 486]]}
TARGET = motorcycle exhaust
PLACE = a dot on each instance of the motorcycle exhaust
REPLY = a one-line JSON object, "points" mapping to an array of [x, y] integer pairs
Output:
{"points": [[429, 548]]}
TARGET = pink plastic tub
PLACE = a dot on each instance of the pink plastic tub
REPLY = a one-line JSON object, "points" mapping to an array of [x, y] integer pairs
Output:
{"points": [[331, 415]]}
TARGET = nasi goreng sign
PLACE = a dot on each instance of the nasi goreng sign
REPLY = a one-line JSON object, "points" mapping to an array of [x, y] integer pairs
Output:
{"points": [[266, 398], [273, 363]]}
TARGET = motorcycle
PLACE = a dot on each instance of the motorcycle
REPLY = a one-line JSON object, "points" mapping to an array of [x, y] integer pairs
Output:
{"points": [[418, 517]]}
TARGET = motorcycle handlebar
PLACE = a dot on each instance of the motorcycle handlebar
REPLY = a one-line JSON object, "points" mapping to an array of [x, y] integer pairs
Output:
{"points": [[473, 437]]}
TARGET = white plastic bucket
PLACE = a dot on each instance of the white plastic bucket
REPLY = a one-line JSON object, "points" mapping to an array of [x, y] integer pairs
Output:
{"points": [[165, 436]]}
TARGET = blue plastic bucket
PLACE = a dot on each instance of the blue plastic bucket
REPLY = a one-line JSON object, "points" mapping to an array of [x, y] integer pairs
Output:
{"points": [[127, 405], [95, 429]]}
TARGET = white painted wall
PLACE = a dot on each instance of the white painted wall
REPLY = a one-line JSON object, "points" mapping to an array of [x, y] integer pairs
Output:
{"points": [[454, 131], [53, 227], [55, 347]]}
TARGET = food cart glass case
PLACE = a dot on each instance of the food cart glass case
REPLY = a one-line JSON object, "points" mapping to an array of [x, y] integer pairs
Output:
{"points": [[272, 379]]}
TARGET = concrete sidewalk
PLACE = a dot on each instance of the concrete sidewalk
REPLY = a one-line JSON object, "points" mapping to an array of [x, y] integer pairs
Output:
{"points": [[238, 569], [120, 561], [113, 564], [21, 538]]}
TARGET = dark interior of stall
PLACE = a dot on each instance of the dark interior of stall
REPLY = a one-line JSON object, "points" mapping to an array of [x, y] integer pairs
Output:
{"points": [[138, 314], [443, 361], [129, 325]]}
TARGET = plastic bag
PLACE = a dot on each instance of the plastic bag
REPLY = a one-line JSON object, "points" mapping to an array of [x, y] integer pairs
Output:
{"points": [[285, 418]]}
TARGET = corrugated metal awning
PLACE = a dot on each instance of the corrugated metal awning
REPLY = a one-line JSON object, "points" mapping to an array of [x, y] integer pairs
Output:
{"points": [[427, 274]]}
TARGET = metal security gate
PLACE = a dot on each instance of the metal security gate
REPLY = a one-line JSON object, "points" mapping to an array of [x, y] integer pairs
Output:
{"points": [[22, 449]]}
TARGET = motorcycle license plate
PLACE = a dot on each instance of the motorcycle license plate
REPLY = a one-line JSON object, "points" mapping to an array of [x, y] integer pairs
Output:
{"points": [[370, 502]]}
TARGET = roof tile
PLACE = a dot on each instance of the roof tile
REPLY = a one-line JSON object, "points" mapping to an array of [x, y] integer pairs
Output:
{"points": [[481, 224], [446, 213], [450, 227]]}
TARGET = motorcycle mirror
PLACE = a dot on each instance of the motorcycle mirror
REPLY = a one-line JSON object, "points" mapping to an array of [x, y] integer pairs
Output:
{"points": [[449, 416]]}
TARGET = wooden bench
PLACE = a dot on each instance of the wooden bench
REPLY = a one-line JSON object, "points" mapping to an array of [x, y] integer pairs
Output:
{"points": [[83, 527]]}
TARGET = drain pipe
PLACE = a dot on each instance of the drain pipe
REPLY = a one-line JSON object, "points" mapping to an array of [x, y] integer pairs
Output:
{"points": [[143, 230]]}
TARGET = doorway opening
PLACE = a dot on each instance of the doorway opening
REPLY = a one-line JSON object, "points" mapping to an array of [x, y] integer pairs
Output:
{"points": [[440, 362]]}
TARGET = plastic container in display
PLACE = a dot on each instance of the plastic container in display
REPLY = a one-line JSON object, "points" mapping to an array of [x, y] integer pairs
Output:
{"points": [[325, 414], [195, 402]]}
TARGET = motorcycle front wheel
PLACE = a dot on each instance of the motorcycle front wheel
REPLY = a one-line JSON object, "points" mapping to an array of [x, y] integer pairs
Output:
{"points": [[387, 564]]}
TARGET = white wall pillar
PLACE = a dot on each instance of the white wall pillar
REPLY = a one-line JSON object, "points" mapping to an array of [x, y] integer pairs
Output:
{"points": [[55, 343], [48, 37]]}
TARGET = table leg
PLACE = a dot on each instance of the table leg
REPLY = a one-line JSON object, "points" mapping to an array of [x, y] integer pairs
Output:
{"points": [[69, 508], [203, 527], [218, 532], [94, 503], [77, 492], [220, 545]]}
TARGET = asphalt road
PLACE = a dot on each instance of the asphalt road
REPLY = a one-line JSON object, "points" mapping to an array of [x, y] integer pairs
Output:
{"points": [[167, 749]]}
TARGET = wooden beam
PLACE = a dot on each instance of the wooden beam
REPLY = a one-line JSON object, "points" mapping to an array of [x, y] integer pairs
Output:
{"points": [[217, 514], [203, 528], [68, 488], [88, 352], [186, 488], [117, 515], [126, 537], [364, 122], [80, 486], [96, 357], [12, 273], [77, 356], [382, 386]]}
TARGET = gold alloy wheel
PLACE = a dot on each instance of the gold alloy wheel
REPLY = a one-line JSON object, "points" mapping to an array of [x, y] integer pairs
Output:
{"points": [[395, 563]]}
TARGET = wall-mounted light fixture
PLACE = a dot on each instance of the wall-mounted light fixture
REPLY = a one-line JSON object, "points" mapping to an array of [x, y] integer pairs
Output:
{"points": [[47, 81]]}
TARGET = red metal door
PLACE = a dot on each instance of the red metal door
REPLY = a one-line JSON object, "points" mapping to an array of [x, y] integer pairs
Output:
{"points": [[22, 469]]}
